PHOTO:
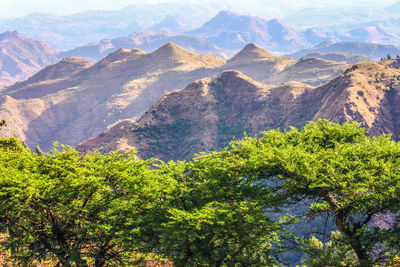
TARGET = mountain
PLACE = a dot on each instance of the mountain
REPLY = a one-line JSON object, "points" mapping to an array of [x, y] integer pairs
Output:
{"points": [[208, 113], [340, 57], [231, 31], [79, 97], [83, 99], [374, 51], [173, 24], [147, 41], [21, 56], [262, 66], [70, 31]]}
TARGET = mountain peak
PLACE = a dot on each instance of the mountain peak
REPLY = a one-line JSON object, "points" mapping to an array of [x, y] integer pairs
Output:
{"points": [[9, 34], [171, 50], [251, 52]]}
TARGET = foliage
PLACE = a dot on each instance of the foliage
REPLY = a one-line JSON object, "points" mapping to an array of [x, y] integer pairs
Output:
{"points": [[335, 252], [224, 208], [69, 206], [216, 216], [343, 172]]}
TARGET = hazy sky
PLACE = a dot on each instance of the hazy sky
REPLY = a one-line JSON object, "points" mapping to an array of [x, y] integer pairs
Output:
{"points": [[16, 8]]}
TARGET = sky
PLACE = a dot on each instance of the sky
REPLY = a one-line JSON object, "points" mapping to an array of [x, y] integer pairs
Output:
{"points": [[18, 8]]}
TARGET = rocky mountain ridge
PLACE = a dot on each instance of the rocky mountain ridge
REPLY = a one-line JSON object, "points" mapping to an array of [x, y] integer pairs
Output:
{"points": [[208, 113], [76, 96]]}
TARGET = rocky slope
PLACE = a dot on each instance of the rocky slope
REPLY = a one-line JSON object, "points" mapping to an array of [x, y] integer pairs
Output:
{"points": [[21, 57], [72, 103], [208, 113], [74, 100]]}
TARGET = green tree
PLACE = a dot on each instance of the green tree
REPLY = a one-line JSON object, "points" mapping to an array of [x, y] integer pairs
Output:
{"points": [[216, 216], [69, 207], [335, 252], [343, 172]]}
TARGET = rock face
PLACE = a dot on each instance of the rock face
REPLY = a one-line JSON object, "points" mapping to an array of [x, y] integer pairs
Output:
{"points": [[21, 57], [75, 99], [208, 113]]}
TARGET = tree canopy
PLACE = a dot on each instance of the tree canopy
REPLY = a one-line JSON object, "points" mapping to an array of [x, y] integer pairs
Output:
{"points": [[227, 208]]}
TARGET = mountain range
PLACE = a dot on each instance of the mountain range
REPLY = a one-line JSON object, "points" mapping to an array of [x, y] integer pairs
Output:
{"points": [[75, 95], [208, 113]]}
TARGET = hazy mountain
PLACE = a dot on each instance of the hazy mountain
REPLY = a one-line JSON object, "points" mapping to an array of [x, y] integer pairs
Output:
{"points": [[68, 32], [74, 100], [231, 30], [21, 56], [208, 113], [147, 41], [173, 24], [374, 51]]}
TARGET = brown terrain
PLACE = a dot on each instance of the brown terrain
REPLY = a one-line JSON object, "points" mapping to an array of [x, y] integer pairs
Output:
{"points": [[74, 100], [21, 57], [208, 113]]}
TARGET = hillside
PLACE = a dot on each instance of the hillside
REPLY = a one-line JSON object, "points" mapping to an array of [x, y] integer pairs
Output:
{"points": [[21, 57], [82, 98], [91, 97], [262, 66], [208, 113]]}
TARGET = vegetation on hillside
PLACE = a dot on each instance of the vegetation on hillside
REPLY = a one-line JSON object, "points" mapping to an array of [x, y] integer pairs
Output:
{"points": [[228, 208]]}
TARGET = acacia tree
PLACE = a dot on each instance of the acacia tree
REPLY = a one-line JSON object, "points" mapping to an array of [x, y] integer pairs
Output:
{"points": [[215, 216], [69, 207], [343, 172]]}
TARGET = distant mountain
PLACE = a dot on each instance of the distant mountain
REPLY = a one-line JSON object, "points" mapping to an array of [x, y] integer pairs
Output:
{"points": [[208, 113], [173, 24], [68, 32], [147, 41], [21, 56], [74, 100], [232, 31], [374, 51], [340, 57]]}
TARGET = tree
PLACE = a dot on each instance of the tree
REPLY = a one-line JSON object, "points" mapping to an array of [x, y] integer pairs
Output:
{"points": [[343, 172], [215, 216], [69, 207]]}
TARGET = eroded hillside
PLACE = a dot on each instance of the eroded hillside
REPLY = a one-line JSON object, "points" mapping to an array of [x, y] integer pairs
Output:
{"points": [[208, 113]]}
